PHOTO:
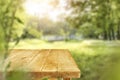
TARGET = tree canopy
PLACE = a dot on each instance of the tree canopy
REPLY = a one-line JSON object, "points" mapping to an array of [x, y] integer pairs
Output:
{"points": [[99, 18]]}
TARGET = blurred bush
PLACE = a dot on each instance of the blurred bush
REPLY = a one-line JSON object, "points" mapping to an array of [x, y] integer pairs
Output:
{"points": [[112, 69]]}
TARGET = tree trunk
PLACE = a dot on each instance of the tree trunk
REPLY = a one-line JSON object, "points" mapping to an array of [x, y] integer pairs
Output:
{"points": [[112, 33], [105, 37], [118, 32], [109, 34]]}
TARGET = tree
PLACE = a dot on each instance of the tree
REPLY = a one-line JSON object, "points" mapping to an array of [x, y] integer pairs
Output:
{"points": [[103, 15], [7, 19]]}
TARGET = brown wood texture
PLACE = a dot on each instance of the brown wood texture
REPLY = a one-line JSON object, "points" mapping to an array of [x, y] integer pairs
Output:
{"points": [[46, 62], [66, 79]]}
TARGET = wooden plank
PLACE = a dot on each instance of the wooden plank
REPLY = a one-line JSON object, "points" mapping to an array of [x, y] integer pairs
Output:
{"points": [[50, 66], [67, 66], [66, 79], [13, 54], [46, 62], [66, 61], [21, 60], [51, 62], [37, 64]]}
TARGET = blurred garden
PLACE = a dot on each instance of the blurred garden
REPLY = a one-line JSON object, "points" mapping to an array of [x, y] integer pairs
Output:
{"points": [[89, 29]]}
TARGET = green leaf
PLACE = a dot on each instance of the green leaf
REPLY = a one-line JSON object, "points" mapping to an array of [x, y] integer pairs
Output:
{"points": [[45, 78], [17, 40], [19, 20]]}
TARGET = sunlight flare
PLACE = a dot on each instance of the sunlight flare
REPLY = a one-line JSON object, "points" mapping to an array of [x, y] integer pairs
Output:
{"points": [[47, 8]]}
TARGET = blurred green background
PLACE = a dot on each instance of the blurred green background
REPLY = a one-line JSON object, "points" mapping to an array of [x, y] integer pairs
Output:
{"points": [[90, 29]]}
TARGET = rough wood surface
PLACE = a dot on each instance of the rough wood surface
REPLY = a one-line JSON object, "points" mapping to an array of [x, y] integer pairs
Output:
{"points": [[45, 62]]}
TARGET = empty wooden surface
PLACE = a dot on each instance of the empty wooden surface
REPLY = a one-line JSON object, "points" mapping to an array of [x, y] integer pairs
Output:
{"points": [[45, 62]]}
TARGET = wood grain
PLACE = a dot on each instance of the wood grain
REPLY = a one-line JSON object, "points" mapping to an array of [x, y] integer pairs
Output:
{"points": [[66, 79], [46, 62]]}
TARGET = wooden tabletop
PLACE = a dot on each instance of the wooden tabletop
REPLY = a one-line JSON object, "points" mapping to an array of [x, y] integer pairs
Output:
{"points": [[45, 62]]}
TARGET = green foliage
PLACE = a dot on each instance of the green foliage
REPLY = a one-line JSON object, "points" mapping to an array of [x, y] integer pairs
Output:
{"points": [[103, 15], [8, 18], [65, 33], [94, 58], [31, 32], [18, 75], [35, 27], [34, 32], [2, 46], [112, 70], [45, 78]]}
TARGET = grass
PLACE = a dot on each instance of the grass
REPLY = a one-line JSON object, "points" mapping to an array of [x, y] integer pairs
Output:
{"points": [[91, 56]]}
